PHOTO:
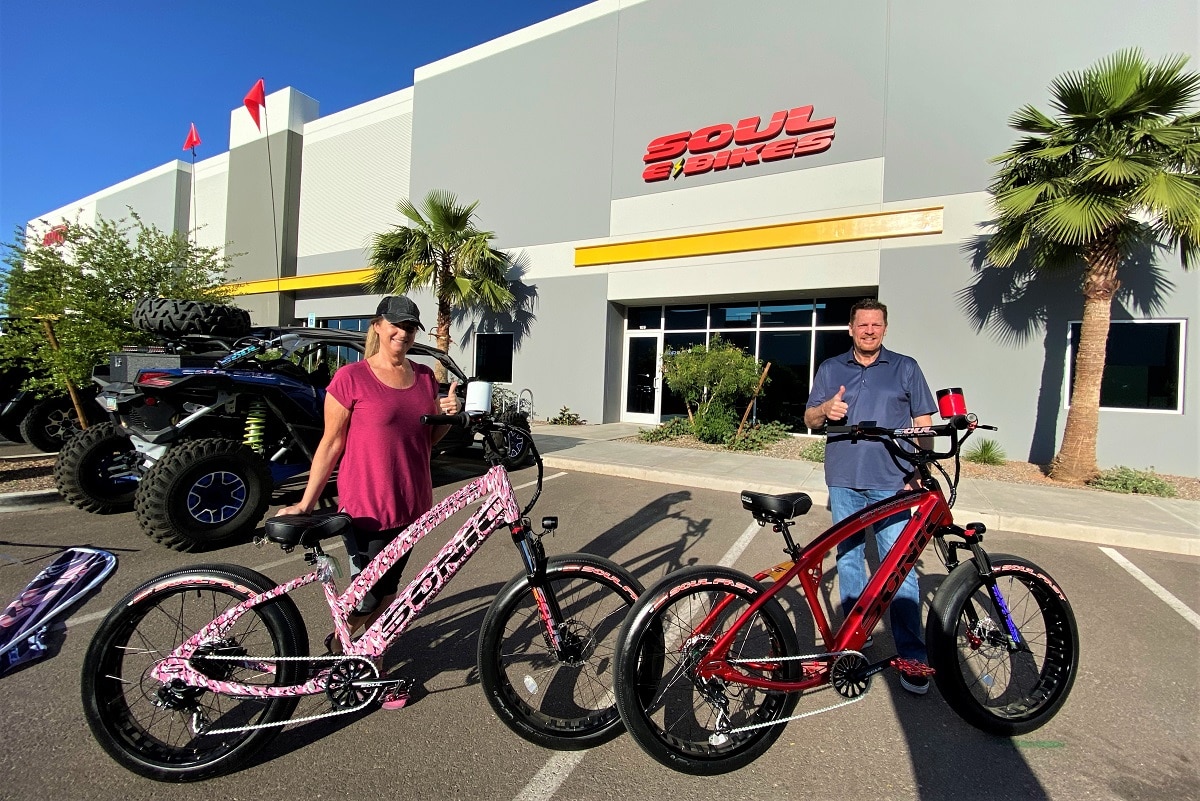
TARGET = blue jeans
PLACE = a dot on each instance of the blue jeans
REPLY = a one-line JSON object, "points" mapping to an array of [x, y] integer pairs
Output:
{"points": [[905, 610]]}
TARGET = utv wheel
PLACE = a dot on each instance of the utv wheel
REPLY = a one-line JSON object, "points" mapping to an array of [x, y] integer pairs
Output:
{"points": [[50, 423], [97, 471], [517, 449], [174, 317], [203, 492]]}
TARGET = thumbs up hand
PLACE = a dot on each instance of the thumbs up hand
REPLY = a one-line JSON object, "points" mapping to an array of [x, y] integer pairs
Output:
{"points": [[450, 404], [837, 408]]}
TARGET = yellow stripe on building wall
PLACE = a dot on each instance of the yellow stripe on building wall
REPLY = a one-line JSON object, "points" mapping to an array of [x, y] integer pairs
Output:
{"points": [[879, 225], [297, 282]]}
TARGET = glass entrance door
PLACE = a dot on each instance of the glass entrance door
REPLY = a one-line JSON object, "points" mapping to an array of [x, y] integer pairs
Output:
{"points": [[643, 378]]}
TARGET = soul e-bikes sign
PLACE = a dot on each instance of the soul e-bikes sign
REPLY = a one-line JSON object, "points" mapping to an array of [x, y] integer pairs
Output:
{"points": [[788, 134]]}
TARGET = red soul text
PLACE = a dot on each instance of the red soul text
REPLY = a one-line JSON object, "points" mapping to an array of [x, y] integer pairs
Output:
{"points": [[709, 147]]}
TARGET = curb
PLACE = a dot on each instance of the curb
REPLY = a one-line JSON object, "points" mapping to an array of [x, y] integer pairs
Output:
{"points": [[1040, 527], [31, 498]]}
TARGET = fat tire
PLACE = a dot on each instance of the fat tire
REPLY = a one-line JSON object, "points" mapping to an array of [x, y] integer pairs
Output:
{"points": [[112, 713], [83, 471], [571, 707], [162, 498], [167, 317], [993, 690], [644, 653], [50, 423]]}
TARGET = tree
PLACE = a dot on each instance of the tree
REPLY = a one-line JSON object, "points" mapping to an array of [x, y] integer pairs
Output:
{"points": [[443, 250], [1117, 167], [86, 279], [716, 374]]}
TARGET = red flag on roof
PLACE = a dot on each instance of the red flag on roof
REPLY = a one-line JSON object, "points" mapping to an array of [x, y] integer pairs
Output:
{"points": [[193, 138], [254, 100]]}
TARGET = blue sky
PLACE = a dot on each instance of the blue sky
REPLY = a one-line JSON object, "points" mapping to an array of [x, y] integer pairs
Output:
{"points": [[92, 93]]}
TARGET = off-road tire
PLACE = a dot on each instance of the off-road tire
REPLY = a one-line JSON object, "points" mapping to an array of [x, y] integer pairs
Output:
{"points": [[176, 317], [516, 454], [169, 502], [96, 470], [50, 423]]}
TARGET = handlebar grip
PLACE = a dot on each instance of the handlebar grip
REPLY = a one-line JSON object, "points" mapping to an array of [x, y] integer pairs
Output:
{"points": [[839, 429], [461, 419]]}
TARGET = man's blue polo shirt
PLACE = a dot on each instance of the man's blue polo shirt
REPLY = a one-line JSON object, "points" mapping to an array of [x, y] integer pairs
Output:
{"points": [[891, 391]]}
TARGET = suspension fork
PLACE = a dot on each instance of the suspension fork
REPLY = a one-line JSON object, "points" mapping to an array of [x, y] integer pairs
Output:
{"points": [[533, 557], [973, 535]]}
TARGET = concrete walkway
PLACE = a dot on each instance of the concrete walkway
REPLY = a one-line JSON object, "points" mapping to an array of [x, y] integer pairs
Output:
{"points": [[1104, 518]]}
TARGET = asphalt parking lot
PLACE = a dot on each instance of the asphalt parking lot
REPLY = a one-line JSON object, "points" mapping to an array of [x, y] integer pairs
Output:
{"points": [[1129, 731]]}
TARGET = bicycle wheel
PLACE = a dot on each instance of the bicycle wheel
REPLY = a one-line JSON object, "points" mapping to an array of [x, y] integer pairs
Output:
{"points": [[564, 702], [670, 710], [993, 688], [147, 725]]}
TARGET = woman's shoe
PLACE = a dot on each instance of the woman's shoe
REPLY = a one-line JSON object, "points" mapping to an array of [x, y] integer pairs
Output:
{"points": [[397, 696], [330, 641]]}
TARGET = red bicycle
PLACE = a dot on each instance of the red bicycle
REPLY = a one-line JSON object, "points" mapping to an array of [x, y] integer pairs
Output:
{"points": [[710, 669]]}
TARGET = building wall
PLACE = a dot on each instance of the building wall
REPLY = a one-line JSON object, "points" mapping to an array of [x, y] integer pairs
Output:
{"points": [[356, 169], [546, 128]]}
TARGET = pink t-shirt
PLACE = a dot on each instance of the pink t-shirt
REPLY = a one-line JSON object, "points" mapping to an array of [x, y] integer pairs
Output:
{"points": [[384, 479]]}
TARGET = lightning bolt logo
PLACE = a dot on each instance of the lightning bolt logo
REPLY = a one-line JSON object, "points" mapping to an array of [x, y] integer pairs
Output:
{"points": [[678, 169]]}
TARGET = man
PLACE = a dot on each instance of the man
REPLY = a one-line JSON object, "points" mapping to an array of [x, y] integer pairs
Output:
{"points": [[868, 383]]}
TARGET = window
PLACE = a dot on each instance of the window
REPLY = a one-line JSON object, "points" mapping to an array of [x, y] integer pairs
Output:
{"points": [[494, 357], [794, 334], [1143, 365]]}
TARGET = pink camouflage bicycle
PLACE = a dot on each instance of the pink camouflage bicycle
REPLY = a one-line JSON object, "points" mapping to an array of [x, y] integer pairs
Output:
{"points": [[196, 670]]}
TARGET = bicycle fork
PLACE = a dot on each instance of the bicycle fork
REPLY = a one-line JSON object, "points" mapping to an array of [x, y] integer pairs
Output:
{"points": [[559, 639], [973, 537]]}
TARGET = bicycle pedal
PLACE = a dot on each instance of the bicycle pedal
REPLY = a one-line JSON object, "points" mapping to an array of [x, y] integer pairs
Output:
{"points": [[912, 667]]}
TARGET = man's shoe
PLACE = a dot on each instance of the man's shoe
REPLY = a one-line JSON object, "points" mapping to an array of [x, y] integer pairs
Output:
{"points": [[870, 641], [917, 685]]}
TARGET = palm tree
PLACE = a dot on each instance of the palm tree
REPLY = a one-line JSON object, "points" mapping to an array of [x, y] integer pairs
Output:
{"points": [[443, 250], [1116, 167]]}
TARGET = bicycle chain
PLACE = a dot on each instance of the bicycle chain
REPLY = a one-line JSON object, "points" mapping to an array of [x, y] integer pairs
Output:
{"points": [[198, 728], [811, 712]]}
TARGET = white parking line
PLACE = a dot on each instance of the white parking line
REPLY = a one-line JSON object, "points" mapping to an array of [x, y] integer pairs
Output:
{"points": [[1154, 587], [545, 784]]}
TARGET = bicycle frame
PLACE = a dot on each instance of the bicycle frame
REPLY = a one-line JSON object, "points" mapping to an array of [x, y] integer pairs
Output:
{"points": [[930, 517], [499, 507]]}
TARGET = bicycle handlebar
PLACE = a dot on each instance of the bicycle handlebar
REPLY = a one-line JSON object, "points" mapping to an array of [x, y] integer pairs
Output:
{"points": [[957, 423], [483, 423]]}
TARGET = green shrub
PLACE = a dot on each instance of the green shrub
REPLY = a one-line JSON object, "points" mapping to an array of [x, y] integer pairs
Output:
{"points": [[757, 437], [986, 451], [714, 424], [566, 417], [814, 451], [1127, 480], [674, 428]]}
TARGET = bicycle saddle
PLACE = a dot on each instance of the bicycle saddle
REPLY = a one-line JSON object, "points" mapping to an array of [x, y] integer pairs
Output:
{"points": [[305, 530], [775, 508]]}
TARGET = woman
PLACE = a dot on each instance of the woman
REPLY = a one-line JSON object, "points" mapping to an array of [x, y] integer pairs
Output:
{"points": [[373, 424]]}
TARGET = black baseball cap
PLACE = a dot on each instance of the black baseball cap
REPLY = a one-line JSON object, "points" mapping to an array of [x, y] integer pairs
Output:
{"points": [[397, 309]]}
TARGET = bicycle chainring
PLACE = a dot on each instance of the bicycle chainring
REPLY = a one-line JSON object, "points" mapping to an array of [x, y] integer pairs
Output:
{"points": [[846, 676], [345, 690]]}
